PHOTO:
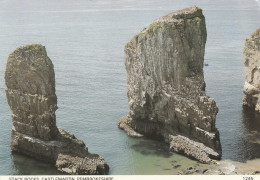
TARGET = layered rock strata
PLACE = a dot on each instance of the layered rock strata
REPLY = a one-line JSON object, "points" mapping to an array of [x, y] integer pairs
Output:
{"points": [[166, 88], [30, 90], [252, 70]]}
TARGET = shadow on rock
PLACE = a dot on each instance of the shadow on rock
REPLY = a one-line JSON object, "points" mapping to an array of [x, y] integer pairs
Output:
{"points": [[147, 146], [250, 144], [24, 165]]}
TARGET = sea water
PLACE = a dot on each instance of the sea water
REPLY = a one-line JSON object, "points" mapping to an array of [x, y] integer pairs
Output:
{"points": [[85, 40]]}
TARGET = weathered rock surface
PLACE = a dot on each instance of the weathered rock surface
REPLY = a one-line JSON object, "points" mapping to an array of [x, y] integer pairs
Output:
{"points": [[252, 70], [30, 90], [166, 88], [192, 148], [76, 165], [225, 167]]}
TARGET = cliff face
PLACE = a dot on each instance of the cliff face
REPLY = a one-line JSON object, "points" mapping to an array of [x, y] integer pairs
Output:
{"points": [[30, 90], [252, 70], [166, 88]]}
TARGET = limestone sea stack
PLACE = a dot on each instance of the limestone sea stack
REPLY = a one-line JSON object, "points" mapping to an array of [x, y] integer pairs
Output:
{"points": [[30, 90], [252, 70], [166, 88]]}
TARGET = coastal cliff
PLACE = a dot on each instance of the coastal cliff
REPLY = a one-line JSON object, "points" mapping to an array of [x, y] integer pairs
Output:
{"points": [[252, 70], [30, 91], [166, 88]]}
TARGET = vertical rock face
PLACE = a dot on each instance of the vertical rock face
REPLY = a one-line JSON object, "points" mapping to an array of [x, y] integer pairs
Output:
{"points": [[30, 90], [166, 88], [252, 70]]}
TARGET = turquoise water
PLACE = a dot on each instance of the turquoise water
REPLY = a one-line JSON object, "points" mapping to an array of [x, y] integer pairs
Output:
{"points": [[85, 40]]}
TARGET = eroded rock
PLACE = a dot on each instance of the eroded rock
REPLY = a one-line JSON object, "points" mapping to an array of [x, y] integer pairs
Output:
{"points": [[225, 167], [166, 88], [30, 90], [90, 164], [252, 70]]}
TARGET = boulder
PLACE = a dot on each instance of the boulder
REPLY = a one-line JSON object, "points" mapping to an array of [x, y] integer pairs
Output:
{"points": [[30, 90], [166, 88]]}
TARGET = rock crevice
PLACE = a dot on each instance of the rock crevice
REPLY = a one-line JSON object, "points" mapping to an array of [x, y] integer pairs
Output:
{"points": [[30, 91], [165, 83]]}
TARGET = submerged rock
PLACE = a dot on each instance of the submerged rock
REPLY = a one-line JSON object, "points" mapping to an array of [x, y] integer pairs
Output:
{"points": [[252, 70], [166, 88], [30, 90]]}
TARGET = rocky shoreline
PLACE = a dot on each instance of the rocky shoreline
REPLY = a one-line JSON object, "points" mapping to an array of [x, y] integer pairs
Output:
{"points": [[224, 167]]}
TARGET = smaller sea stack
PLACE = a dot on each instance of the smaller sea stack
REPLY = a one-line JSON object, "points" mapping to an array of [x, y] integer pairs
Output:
{"points": [[30, 91]]}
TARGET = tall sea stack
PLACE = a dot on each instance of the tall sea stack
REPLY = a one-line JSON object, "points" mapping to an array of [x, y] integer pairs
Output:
{"points": [[252, 70], [30, 90], [166, 88]]}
